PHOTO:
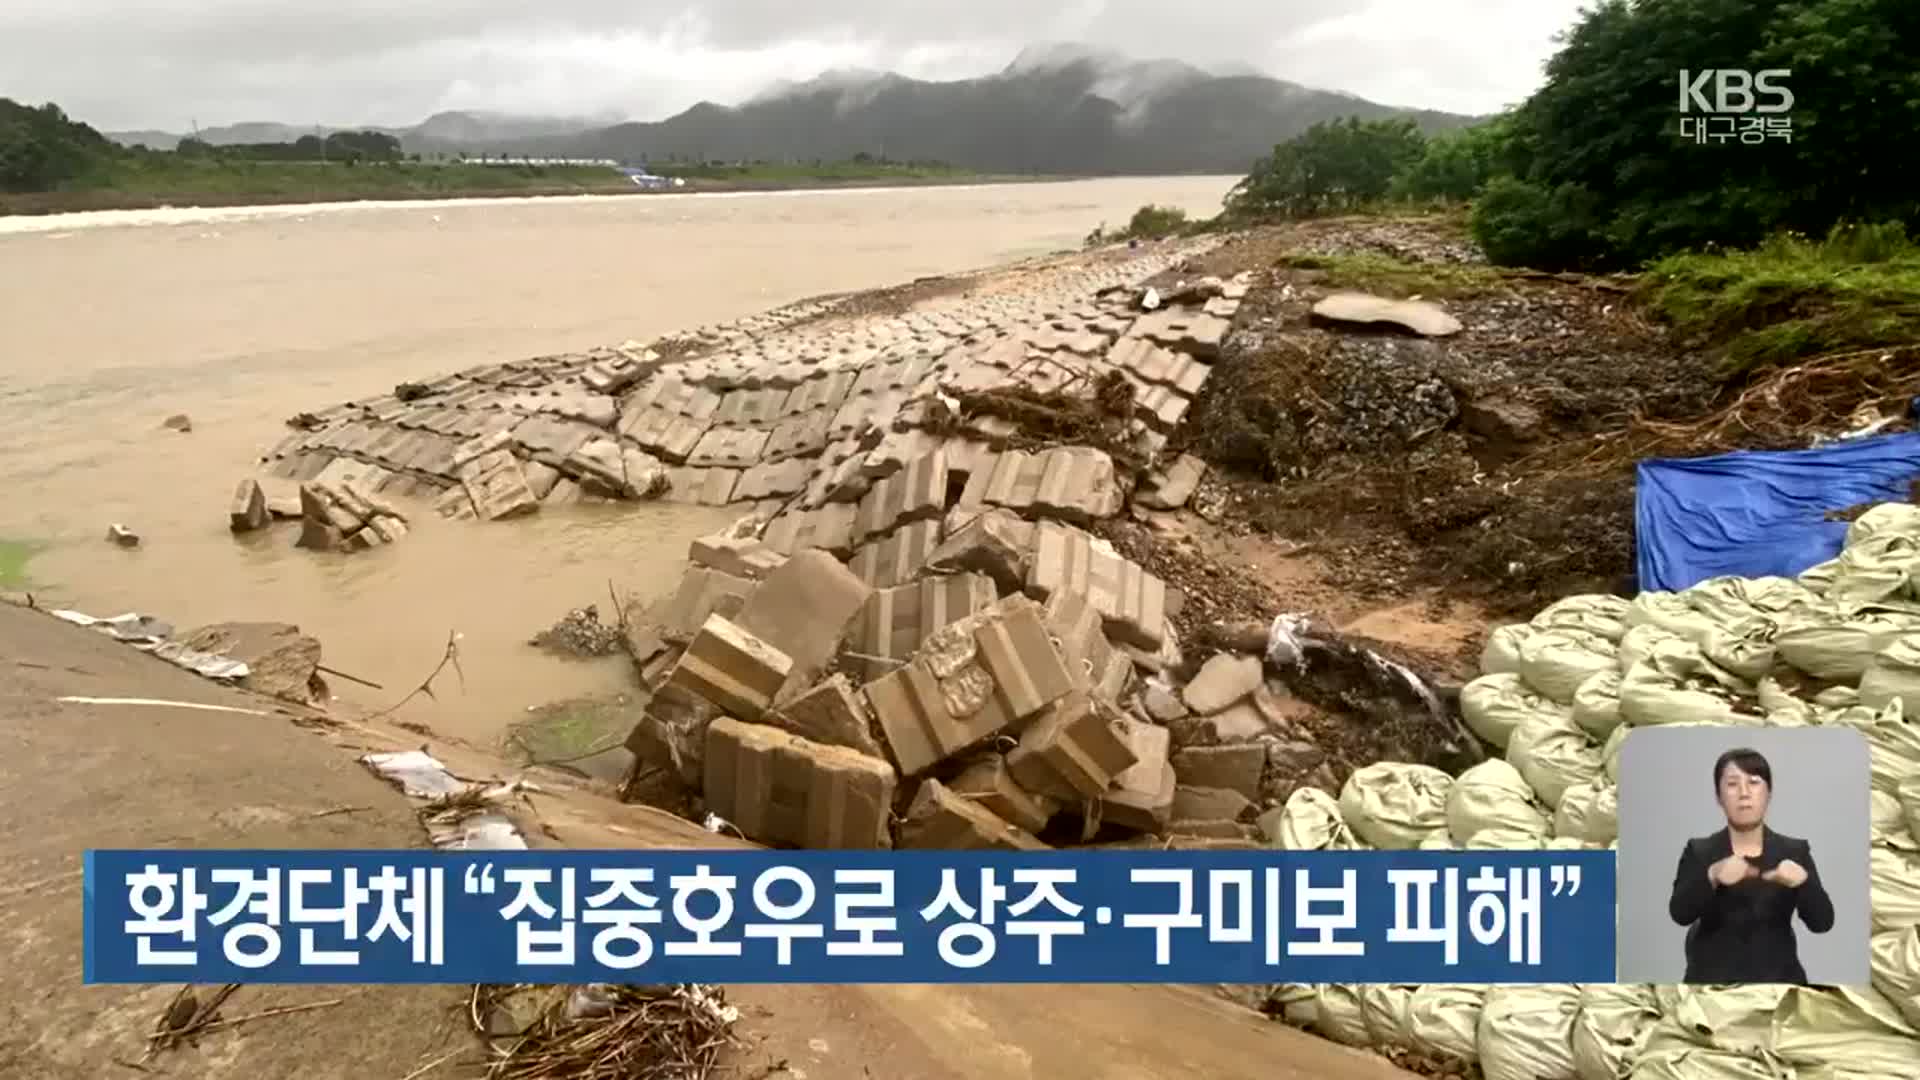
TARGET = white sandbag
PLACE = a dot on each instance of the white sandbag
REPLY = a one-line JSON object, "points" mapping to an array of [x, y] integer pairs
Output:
{"points": [[1890, 822], [1879, 569], [1569, 843], [1611, 1029], [1776, 597], [1446, 1020], [1735, 1019], [1493, 705], [1595, 613], [1526, 1032], [1896, 970], [1603, 820], [1570, 818], [1782, 709], [1339, 1016], [1311, 821], [1853, 1028], [1438, 841], [1907, 792], [1395, 806], [1556, 662], [1837, 697], [1298, 1003], [1553, 755], [1818, 579], [1723, 600], [1506, 840], [1384, 1009], [1671, 612], [1501, 655], [1838, 647], [1493, 795], [1894, 672], [1744, 647], [1695, 1063], [1596, 705], [1900, 519], [1894, 889], [1650, 695], [1893, 741], [1640, 642]]}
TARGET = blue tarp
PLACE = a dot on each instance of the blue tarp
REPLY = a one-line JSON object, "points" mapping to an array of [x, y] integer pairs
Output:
{"points": [[1753, 513]]}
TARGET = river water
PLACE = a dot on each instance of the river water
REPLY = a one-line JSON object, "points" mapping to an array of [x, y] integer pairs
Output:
{"points": [[239, 318]]}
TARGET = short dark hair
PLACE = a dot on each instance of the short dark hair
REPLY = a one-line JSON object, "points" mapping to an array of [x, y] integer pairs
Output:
{"points": [[1748, 761]]}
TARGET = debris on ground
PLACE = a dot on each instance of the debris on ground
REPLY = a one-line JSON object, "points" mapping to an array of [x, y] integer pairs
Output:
{"points": [[580, 633], [178, 422], [120, 534], [603, 1030], [280, 661]]}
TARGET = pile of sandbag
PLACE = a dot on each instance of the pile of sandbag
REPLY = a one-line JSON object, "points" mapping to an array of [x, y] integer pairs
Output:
{"points": [[1558, 695]]}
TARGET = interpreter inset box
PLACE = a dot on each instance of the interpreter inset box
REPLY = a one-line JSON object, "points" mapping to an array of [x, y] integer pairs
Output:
{"points": [[1744, 856]]}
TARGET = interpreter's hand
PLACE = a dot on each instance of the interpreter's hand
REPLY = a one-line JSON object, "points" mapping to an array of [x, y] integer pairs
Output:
{"points": [[1788, 873], [1732, 870]]}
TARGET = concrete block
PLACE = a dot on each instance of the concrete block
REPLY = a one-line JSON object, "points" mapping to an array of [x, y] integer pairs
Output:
{"points": [[1131, 602], [941, 820], [663, 431], [1071, 751], [1209, 804], [772, 480], [455, 504], [731, 669], [829, 528], [248, 510], [1163, 704], [1097, 668], [1141, 797], [1074, 483], [989, 783], [916, 492], [822, 392], [740, 557], [834, 713], [702, 594], [803, 609], [672, 733], [1237, 767], [750, 408], [705, 487], [676, 395], [540, 478], [971, 680], [897, 558], [802, 436], [778, 788], [1170, 490], [1153, 364], [896, 621], [729, 447], [1224, 680], [995, 543], [1242, 721]]}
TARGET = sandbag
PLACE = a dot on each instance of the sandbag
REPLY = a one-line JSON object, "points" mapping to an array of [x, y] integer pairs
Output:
{"points": [[1640, 642], [1649, 695], [1893, 741], [1339, 1015], [1298, 1003], [1671, 612], [1896, 970], [1610, 752], [1694, 1063], [1311, 821], [1384, 1009], [1744, 648], [1876, 570], [1501, 655], [1851, 1028], [1595, 613], [1569, 843], [1611, 1029], [1894, 673], [1838, 647], [1526, 1032], [1777, 597], [1603, 821], [1493, 795], [1571, 817], [1446, 1020], [1438, 841], [1907, 792], [1894, 888], [1556, 662], [1553, 755], [1890, 822], [1493, 705], [1735, 1019], [1818, 578], [1506, 840], [1395, 806], [1596, 705], [1782, 709], [1900, 519], [1837, 697]]}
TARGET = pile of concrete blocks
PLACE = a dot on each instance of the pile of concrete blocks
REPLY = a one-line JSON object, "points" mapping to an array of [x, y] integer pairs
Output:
{"points": [[343, 518]]}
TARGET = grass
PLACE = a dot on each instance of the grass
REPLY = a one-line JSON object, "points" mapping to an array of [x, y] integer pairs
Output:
{"points": [[169, 175], [1792, 297], [1391, 277], [765, 172], [13, 562]]}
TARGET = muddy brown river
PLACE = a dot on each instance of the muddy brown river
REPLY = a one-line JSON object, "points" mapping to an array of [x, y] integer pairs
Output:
{"points": [[110, 323]]}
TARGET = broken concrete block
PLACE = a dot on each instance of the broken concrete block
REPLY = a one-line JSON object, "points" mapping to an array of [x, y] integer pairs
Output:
{"points": [[281, 661], [480, 446], [1170, 490], [386, 527], [702, 593], [1226, 679], [1142, 796], [989, 783], [1419, 316], [1209, 804], [833, 713], [733, 670], [455, 504], [778, 788], [895, 622], [1162, 703], [915, 493], [540, 478], [828, 527], [1131, 602], [803, 609], [498, 486], [996, 543], [672, 734], [1236, 767], [1076, 483], [248, 510], [899, 557], [322, 504], [1097, 668], [1071, 751], [940, 820], [1240, 722], [317, 535], [971, 680], [742, 558]]}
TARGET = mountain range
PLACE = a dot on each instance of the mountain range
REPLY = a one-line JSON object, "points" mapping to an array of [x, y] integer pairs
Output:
{"points": [[1054, 109]]}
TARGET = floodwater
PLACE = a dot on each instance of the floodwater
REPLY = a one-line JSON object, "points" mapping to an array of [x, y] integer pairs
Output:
{"points": [[239, 318]]}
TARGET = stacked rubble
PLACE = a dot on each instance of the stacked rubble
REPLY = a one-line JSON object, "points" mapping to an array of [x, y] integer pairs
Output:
{"points": [[1838, 645]]}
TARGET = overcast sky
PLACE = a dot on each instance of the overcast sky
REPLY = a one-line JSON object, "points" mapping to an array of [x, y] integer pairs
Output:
{"points": [[122, 64]]}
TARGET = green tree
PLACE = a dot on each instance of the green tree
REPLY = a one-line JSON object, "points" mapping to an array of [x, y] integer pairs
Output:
{"points": [[1335, 165], [1456, 165], [41, 149]]}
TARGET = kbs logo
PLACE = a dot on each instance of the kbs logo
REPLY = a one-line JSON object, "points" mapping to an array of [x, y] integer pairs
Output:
{"points": [[1734, 91]]}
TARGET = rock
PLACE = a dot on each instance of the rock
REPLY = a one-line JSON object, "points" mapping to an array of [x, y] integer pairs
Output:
{"points": [[1244, 636], [1209, 804], [248, 511], [940, 819], [317, 535], [1237, 767], [997, 543], [1162, 704], [281, 661], [1171, 489], [989, 783], [540, 478], [123, 536], [178, 422], [1295, 758], [1418, 316], [1224, 680], [1240, 722], [833, 714], [1502, 420]]}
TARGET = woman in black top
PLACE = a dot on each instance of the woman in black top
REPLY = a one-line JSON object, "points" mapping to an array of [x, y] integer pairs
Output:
{"points": [[1737, 890]]}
